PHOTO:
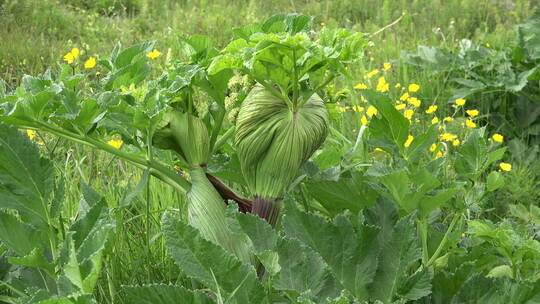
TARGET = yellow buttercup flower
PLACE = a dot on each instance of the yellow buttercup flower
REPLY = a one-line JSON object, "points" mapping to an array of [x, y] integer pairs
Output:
{"points": [[448, 137], [372, 73], [431, 109], [414, 101], [401, 107], [75, 52], [448, 118], [498, 137], [31, 134], [460, 102], [505, 166], [408, 114], [379, 149], [382, 85], [387, 66], [358, 108], [408, 142], [414, 87], [153, 54], [404, 97], [434, 120], [470, 124], [432, 148], [341, 109], [439, 154], [90, 63], [69, 58], [398, 85], [456, 142], [371, 111], [361, 86], [117, 143], [362, 98], [364, 120], [472, 113]]}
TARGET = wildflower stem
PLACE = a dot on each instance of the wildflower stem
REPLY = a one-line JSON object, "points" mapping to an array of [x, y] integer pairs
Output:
{"points": [[444, 239]]}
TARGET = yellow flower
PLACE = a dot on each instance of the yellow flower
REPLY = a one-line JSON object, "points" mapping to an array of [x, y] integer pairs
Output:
{"points": [[439, 154], [497, 137], [414, 101], [387, 66], [431, 109], [153, 54], [398, 85], [341, 109], [379, 149], [434, 120], [488, 45], [117, 143], [364, 120], [408, 142], [69, 58], [372, 73], [448, 118], [414, 87], [404, 97], [470, 124], [505, 166], [460, 102], [358, 109], [362, 98], [472, 113], [361, 86], [75, 52], [371, 110], [408, 114], [401, 107], [456, 142], [382, 85], [90, 63], [432, 147], [31, 134], [448, 137]]}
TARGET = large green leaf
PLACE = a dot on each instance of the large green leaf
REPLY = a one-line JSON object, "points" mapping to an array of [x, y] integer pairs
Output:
{"points": [[164, 294], [304, 271], [26, 179], [399, 251], [210, 264], [18, 236], [350, 253]]}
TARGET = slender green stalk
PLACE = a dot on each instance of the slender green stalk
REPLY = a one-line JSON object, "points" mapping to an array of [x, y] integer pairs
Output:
{"points": [[221, 141], [444, 240], [422, 228]]}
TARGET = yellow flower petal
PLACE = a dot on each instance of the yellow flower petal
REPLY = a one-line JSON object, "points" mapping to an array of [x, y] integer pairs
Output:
{"points": [[456, 142], [408, 114], [431, 109], [472, 113], [364, 120], [408, 142], [498, 137], [460, 102], [470, 124], [414, 101], [404, 97], [153, 54], [117, 143], [361, 86], [401, 107], [75, 52], [382, 85], [505, 166], [414, 87], [31, 134], [432, 148], [448, 118], [387, 66], [371, 111], [90, 63], [434, 120]]}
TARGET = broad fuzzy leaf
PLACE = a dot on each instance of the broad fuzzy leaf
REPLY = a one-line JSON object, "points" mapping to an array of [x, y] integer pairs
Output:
{"points": [[26, 179], [350, 253], [210, 264]]}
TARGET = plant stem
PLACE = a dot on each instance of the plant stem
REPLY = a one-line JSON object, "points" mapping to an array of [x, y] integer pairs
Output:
{"points": [[267, 209], [444, 240], [422, 228], [221, 141]]}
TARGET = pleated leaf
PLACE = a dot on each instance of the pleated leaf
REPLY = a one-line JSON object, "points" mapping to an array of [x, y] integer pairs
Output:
{"points": [[273, 142]]}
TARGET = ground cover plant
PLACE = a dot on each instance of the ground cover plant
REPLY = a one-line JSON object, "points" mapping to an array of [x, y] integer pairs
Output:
{"points": [[283, 166]]}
